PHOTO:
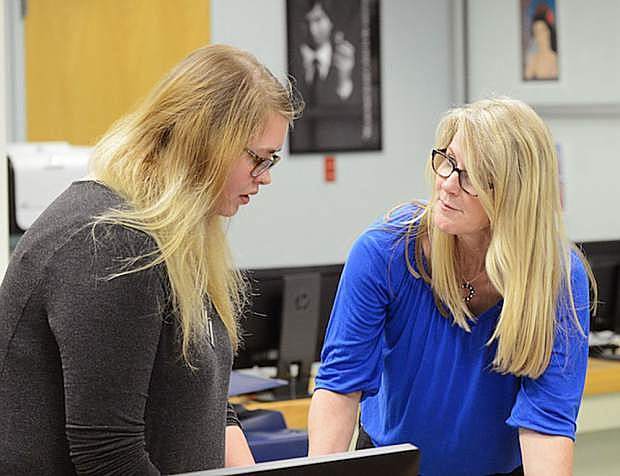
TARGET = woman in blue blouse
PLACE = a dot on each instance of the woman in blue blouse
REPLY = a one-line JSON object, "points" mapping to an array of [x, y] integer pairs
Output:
{"points": [[461, 324]]}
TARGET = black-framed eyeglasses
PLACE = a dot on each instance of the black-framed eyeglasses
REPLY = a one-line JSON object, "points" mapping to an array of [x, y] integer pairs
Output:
{"points": [[444, 166], [262, 163]]}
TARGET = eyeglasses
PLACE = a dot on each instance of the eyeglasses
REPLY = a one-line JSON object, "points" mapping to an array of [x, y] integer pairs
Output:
{"points": [[444, 166], [262, 163]]}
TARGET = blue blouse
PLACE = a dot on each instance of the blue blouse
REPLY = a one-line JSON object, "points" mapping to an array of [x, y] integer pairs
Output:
{"points": [[426, 381]]}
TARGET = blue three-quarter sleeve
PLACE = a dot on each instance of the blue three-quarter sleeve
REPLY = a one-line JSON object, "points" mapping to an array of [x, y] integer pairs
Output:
{"points": [[550, 403], [352, 353]]}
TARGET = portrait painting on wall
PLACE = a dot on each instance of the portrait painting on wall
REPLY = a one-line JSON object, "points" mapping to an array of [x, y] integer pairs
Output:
{"points": [[333, 58], [539, 42]]}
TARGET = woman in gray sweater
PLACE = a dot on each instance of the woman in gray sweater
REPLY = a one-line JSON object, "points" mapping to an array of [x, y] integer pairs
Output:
{"points": [[119, 308]]}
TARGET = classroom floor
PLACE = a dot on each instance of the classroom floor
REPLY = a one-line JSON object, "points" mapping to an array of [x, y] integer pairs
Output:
{"points": [[597, 453]]}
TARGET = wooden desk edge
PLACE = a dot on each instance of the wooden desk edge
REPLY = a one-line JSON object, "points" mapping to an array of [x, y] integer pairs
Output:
{"points": [[295, 412], [603, 377]]}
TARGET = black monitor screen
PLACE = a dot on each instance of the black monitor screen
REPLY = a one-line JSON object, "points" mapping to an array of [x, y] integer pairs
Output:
{"points": [[396, 460], [604, 258], [261, 323], [606, 275]]}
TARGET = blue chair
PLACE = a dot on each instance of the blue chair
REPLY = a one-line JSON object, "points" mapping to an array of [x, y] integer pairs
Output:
{"points": [[262, 420], [279, 444], [269, 438]]}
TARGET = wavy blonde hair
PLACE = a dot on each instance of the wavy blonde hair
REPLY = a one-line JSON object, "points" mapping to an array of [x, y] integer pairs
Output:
{"points": [[511, 160], [170, 159]]}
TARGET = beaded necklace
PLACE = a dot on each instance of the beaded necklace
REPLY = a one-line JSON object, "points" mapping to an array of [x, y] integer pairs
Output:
{"points": [[467, 284]]}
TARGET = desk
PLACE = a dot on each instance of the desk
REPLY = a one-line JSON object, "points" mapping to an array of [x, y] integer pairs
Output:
{"points": [[600, 409], [603, 377], [295, 412]]}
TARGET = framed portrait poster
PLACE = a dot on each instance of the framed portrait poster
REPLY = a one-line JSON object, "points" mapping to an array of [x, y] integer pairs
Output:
{"points": [[539, 40], [333, 58]]}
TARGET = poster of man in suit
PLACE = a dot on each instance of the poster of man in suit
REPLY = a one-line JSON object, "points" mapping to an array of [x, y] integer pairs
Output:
{"points": [[333, 56]]}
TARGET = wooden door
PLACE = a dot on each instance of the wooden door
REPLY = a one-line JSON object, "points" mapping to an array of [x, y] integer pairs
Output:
{"points": [[88, 62]]}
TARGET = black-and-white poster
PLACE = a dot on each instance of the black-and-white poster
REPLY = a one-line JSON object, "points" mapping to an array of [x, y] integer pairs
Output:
{"points": [[333, 56]]}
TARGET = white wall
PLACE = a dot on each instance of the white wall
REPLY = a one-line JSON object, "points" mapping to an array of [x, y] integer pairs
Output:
{"points": [[15, 102], [588, 50], [582, 108], [4, 216], [591, 171], [299, 219]]}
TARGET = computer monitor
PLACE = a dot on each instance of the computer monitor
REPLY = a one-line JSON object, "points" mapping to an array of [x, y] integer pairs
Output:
{"points": [[604, 258], [261, 321], [286, 321], [299, 326], [606, 274], [395, 460]]}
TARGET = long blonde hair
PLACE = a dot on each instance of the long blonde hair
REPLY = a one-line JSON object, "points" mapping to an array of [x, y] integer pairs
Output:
{"points": [[511, 160], [169, 160]]}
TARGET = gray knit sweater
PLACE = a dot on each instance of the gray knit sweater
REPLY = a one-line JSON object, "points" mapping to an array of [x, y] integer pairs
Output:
{"points": [[91, 376]]}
